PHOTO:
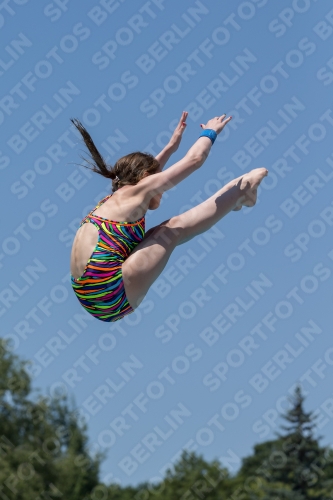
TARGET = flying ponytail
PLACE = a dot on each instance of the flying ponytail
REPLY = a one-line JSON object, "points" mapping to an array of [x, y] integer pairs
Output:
{"points": [[128, 170], [98, 164]]}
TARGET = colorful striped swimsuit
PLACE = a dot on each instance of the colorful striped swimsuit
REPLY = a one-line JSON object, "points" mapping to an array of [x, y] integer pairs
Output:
{"points": [[100, 289]]}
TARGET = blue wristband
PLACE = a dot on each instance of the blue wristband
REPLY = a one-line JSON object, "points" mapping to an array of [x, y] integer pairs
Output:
{"points": [[208, 132]]}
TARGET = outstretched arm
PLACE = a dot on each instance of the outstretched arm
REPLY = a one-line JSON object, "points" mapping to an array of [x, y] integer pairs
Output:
{"points": [[194, 158], [174, 142], [164, 156]]}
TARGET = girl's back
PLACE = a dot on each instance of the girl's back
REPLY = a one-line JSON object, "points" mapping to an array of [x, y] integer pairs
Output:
{"points": [[121, 206]]}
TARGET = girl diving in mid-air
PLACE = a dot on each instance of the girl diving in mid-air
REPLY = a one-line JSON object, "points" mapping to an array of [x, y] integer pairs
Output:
{"points": [[113, 261]]}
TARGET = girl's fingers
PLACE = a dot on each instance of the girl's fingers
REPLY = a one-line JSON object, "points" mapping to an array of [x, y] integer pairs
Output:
{"points": [[224, 123], [227, 120], [221, 119], [183, 118]]}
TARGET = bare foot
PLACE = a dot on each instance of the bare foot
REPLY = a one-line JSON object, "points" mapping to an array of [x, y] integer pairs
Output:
{"points": [[248, 185]]}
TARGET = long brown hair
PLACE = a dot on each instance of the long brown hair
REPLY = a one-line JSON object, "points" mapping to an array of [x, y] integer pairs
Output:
{"points": [[129, 169]]}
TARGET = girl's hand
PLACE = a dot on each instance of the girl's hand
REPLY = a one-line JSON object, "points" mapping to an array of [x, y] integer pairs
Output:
{"points": [[177, 135], [218, 123]]}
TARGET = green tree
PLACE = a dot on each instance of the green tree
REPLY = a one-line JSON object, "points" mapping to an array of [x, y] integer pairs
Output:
{"points": [[303, 459], [43, 455], [42, 444], [294, 466], [255, 478], [191, 478]]}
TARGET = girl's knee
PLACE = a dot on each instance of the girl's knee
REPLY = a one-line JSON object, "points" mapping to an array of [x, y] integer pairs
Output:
{"points": [[170, 230]]}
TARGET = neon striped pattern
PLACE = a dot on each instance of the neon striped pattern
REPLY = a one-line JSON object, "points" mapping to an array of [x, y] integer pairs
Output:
{"points": [[100, 289]]}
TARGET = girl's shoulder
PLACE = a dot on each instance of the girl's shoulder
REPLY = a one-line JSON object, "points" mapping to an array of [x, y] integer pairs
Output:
{"points": [[122, 205]]}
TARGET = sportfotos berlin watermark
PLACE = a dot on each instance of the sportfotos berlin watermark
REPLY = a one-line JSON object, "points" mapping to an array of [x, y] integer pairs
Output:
{"points": [[258, 277]]}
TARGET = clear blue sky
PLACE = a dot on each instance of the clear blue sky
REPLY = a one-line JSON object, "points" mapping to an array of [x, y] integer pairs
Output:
{"points": [[241, 314]]}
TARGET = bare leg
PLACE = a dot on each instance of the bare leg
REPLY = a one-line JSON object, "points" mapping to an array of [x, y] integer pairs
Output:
{"points": [[149, 258]]}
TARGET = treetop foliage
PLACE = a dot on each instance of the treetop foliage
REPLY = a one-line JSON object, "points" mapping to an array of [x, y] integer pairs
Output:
{"points": [[44, 455]]}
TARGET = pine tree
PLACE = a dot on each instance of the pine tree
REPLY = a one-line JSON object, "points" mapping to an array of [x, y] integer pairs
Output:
{"points": [[302, 461], [293, 466]]}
